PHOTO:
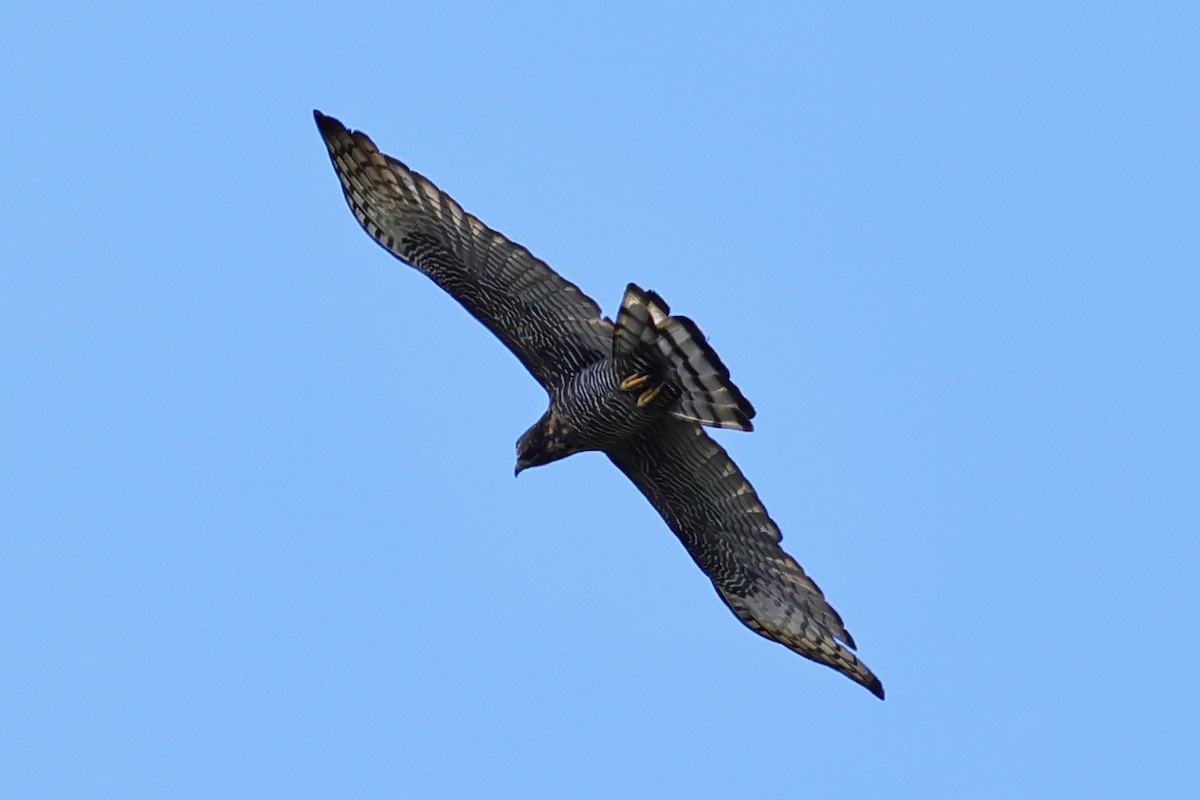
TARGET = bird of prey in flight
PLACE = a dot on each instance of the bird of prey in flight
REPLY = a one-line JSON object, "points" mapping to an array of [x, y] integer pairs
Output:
{"points": [[639, 389]]}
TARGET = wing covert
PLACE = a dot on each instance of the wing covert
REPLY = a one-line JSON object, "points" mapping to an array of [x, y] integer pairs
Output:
{"points": [[547, 321], [715, 512]]}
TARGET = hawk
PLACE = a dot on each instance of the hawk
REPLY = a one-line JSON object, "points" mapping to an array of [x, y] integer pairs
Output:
{"points": [[639, 389]]}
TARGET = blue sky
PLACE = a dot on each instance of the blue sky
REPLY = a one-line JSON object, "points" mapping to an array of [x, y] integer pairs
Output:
{"points": [[261, 535]]}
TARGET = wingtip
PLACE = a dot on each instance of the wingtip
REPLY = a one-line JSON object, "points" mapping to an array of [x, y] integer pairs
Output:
{"points": [[875, 687], [326, 124]]}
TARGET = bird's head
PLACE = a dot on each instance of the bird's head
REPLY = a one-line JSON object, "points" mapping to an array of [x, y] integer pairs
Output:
{"points": [[548, 440]]}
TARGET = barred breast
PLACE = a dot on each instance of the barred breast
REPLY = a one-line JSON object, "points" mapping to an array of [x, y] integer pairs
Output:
{"points": [[602, 415]]}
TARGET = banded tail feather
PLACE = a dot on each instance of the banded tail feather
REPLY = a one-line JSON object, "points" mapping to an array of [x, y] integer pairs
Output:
{"points": [[646, 332]]}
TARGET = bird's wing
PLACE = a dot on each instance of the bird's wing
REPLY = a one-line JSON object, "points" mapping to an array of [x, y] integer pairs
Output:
{"points": [[717, 515], [552, 326]]}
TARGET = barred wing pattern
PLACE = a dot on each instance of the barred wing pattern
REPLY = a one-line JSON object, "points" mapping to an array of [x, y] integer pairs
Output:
{"points": [[715, 512], [547, 321]]}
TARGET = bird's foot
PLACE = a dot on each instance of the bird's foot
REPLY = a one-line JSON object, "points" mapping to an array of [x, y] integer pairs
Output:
{"points": [[634, 381], [647, 397]]}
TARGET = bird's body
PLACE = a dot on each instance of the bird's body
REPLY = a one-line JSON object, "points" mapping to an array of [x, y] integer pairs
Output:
{"points": [[638, 389], [600, 414]]}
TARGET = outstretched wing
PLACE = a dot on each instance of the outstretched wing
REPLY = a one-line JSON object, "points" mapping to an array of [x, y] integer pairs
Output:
{"points": [[552, 326], [717, 515]]}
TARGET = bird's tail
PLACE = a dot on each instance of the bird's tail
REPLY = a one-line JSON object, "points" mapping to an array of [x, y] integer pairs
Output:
{"points": [[645, 329]]}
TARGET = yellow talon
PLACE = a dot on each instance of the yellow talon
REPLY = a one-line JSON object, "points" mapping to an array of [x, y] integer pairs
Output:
{"points": [[633, 382], [647, 397]]}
